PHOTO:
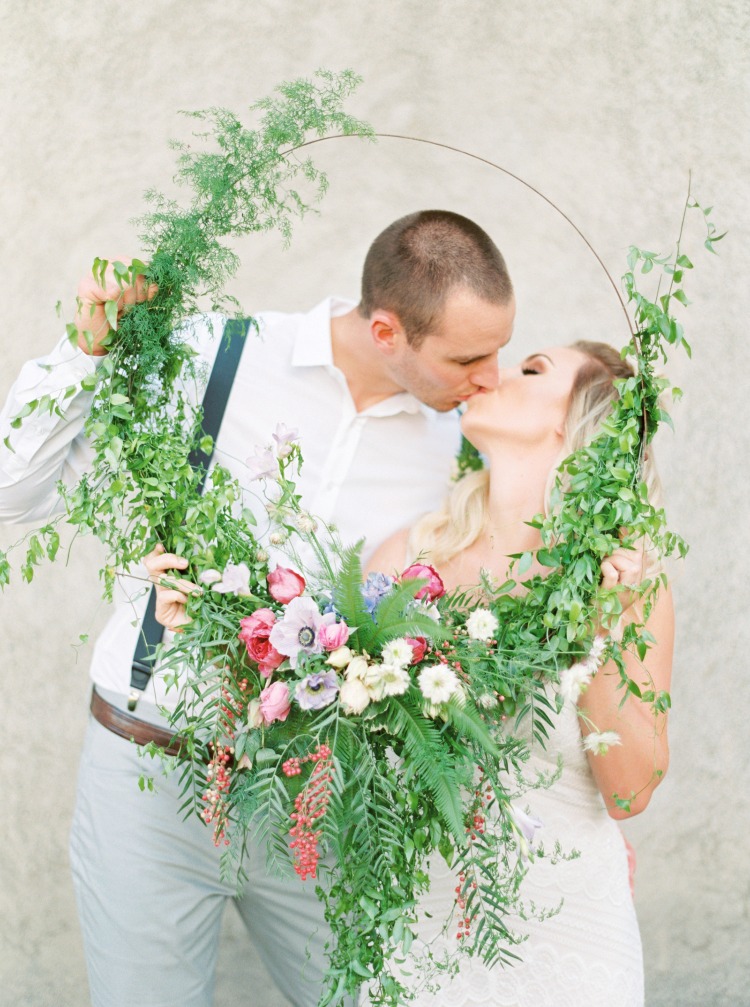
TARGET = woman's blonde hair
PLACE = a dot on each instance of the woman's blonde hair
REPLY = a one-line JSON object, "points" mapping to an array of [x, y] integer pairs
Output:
{"points": [[445, 533]]}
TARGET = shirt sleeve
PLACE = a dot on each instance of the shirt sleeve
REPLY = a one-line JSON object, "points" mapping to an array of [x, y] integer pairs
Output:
{"points": [[51, 447], [47, 447]]}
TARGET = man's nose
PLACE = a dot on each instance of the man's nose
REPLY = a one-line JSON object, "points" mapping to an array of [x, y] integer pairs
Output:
{"points": [[486, 374]]}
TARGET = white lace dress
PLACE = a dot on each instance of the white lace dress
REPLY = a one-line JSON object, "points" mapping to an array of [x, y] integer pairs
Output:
{"points": [[588, 955]]}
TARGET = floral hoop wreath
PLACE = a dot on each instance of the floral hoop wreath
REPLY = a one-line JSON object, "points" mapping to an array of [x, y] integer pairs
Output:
{"points": [[303, 684]]}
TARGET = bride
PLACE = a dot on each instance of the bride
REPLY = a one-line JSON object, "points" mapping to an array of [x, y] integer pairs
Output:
{"points": [[589, 953]]}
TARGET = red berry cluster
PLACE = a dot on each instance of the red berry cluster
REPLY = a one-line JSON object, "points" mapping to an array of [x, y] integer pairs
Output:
{"points": [[215, 795], [218, 777], [309, 807], [476, 827]]}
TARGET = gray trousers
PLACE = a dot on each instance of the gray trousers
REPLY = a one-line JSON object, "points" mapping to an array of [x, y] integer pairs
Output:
{"points": [[151, 901]]}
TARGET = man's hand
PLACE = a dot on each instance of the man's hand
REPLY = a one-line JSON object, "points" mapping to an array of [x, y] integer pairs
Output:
{"points": [[91, 317], [171, 592]]}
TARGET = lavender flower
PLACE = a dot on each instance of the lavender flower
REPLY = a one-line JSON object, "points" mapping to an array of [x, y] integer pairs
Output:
{"points": [[314, 692]]}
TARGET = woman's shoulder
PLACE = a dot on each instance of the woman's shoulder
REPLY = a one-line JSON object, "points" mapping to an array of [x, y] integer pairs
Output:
{"points": [[390, 557]]}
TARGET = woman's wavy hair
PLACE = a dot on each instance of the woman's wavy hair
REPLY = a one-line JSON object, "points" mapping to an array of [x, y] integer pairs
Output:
{"points": [[457, 525]]}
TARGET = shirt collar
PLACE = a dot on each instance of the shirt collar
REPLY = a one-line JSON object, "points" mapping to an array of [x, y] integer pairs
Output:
{"points": [[312, 348]]}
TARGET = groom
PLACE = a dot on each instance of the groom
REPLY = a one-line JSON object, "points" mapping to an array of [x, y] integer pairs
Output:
{"points": [[371, 388]]}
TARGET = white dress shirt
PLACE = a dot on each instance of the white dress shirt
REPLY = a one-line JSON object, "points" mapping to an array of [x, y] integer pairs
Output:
{"points": [[368, 473]]}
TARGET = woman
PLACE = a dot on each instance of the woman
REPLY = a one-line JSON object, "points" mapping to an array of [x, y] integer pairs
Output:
{"points": [[588, 954]]}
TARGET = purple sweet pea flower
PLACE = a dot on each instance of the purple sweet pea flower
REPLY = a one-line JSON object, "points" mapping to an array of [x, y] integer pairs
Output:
{"points": [[234, 580], [374, 588], [262, 465], [314, 692], [285, 438], [297, 632]]}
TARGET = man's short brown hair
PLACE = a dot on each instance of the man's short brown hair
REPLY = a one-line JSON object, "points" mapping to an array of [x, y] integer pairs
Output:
{"points": [[415, 263]]}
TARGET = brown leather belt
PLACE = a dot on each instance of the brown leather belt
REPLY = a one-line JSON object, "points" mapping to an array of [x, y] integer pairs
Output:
{"points": [[127, 726]]}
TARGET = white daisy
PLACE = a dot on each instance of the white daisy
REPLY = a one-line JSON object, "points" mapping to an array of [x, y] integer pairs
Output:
{"points": [[481, 624], [398, 652], [438, 683]]}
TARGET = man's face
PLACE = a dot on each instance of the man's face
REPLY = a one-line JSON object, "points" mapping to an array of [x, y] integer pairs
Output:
{"points": [[460, 357]]}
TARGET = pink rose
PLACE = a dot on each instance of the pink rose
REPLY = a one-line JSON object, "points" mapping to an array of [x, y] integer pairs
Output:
{"points": [[285, 584], [419, 645], [254, 632], [332, 635], [274, 702], [433, 589]]}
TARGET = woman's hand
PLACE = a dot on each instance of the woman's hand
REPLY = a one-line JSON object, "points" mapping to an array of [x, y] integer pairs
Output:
{"points": [[625, 568], [171, 593]]}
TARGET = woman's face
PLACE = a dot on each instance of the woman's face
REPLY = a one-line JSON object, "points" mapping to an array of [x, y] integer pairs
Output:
{"points": [[529, 404]]}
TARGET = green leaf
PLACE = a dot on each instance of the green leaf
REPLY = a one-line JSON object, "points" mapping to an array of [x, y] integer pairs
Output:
{"points": [[110, 312]]}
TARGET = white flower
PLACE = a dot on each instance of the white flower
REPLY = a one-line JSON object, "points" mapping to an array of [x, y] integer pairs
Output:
{"points": [[526, 827], [234, 580], [307, 524], [357, 668], [481, 624], [284, 437], [262, 465], [598, 742], [438, 683], [354, 696], [210, 577], [386, 680], [340, 657], [398, 652], [278, 537], [487, 701], [430, 610], [573, 681]]}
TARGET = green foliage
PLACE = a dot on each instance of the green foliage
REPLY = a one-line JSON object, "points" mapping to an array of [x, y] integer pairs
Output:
{"points": [[142, 423]]}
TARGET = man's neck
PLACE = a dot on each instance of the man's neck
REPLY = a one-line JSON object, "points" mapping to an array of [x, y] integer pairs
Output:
{"points": [[356, 356]]}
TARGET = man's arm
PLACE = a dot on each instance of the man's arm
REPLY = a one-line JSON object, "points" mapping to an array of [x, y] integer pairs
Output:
{"points": [[49, 446]]}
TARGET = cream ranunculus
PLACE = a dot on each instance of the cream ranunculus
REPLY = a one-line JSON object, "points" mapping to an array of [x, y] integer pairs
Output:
{"points": [[353, 696], [340, 657]]}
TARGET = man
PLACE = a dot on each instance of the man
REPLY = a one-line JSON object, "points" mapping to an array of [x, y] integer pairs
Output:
{"points": [[370, 387]]}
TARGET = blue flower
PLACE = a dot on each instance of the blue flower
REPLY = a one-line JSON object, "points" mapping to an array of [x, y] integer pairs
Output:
{"points": [[374, 588]]}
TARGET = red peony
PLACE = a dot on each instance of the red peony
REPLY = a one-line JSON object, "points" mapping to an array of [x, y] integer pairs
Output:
{"points": [[254, 632], [433, 589]]}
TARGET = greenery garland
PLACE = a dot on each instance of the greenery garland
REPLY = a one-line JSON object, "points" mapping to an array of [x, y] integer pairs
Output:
{"points": [[380, 821]]}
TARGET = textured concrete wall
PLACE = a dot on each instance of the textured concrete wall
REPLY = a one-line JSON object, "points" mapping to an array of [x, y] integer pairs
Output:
{"points": [[604, 107]]}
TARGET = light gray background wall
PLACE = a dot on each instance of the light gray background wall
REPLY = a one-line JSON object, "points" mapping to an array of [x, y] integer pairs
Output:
{"points": [[604, 106]]}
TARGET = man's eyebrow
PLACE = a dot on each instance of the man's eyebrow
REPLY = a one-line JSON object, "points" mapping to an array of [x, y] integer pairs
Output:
{"points": [[472, 359]]}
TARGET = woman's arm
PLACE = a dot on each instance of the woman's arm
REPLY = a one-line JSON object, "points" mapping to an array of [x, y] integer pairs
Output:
{"points": [[633, 769]]}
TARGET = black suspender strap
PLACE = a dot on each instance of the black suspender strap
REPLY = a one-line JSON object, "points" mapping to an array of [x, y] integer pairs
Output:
{"points": [[214, 403]]}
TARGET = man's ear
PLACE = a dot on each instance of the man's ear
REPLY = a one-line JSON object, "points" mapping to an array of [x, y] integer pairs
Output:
{"points": [[387, 331]]}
